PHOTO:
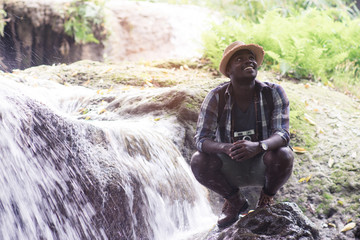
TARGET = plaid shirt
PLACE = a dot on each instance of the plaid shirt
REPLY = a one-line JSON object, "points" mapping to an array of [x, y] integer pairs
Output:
{"points": [[269, 122]]}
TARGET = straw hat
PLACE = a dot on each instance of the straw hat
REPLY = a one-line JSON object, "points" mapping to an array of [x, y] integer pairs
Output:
{"points": [[257, 50]]}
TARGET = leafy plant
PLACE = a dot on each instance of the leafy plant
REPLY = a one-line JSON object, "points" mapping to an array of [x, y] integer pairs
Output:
{"points": [[311, 45], [84, 18], [3, 21], [253, 9]]}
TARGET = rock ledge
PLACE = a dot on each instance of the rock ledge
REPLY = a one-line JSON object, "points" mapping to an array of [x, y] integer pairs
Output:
{"points": [[281, 221]]}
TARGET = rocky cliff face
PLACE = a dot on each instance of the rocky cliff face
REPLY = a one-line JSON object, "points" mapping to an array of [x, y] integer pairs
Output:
{"points": [[34, 33]]}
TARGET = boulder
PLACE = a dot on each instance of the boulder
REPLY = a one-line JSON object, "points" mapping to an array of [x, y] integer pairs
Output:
{"points": [[281, 221]]}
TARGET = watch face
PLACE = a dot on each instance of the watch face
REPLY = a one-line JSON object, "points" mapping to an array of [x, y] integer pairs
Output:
{"points": [[264, 146]]}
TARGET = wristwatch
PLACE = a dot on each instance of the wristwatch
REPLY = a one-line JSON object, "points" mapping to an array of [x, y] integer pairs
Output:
{"points": [[263, 146]]}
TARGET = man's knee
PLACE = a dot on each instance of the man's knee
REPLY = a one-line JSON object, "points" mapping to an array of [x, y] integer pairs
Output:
{"points": [[202, 163], [280, 157]]}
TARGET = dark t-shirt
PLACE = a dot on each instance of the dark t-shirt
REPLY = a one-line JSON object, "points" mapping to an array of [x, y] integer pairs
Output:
{"points": [[244, 123], [250, 172]]}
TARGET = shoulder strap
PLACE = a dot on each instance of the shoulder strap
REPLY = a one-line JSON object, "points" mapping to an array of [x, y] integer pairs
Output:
{"points": [[269, 99], [221, 104], [267, 95]]}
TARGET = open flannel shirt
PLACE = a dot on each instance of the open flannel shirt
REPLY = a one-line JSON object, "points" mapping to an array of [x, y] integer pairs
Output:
{"points": [[269, 122]]}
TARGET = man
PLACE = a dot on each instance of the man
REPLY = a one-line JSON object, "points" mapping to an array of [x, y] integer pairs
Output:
{"points": [[242, 134]]}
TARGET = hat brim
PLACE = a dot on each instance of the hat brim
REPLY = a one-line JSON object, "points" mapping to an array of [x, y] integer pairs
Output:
{"points": [[255, 49]]}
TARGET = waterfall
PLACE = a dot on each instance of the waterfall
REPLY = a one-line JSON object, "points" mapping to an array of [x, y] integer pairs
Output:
{"points": [[110, 177]]}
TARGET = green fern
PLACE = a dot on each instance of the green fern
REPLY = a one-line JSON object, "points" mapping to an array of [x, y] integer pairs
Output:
{"points": [[311, 44]]}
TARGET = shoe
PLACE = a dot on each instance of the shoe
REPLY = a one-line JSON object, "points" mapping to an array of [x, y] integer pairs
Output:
{"points": [[265, 200], [233, 206]]}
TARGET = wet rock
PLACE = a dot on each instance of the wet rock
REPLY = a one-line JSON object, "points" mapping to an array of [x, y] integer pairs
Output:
{"points": [[281, 221], [90, 191], [34, 35], [357, 232]]}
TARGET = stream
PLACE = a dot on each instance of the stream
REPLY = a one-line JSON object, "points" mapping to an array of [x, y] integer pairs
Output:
{"points": [[110, 176]]}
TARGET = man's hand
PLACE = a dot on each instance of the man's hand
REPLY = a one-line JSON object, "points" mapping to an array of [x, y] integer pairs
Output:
{"points": [[243, 150], [226, 148]]}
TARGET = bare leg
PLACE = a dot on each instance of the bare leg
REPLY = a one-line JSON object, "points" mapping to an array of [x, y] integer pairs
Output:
{"points": [[279, 164], [207, 170]]}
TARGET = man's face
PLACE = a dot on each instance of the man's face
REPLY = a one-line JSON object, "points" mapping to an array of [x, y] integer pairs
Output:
{"points": [[242, 65]]}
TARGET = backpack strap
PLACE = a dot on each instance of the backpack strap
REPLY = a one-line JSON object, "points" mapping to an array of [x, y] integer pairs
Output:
{"points": [[221, 104], [268, 98], [267, 93]]}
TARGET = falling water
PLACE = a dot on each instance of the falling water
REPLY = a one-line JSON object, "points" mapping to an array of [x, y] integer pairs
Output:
{"points": [[110, 177]]}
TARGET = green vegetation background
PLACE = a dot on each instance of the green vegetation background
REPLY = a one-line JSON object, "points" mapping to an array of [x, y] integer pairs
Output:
{"points": [[306, 40], [313, 40]]}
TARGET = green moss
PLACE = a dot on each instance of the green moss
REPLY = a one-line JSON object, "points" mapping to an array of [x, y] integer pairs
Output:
{"points": [[310, 187], [300, 201], [190, 106], [353, 208], [335, 188], [341, 179], [319, 186], [327, 196], [323, 208], [355, 199], [337, 174], [180, 64], [156, 98], [164, 82], [303, 209], [193, 102], [301, 132]]}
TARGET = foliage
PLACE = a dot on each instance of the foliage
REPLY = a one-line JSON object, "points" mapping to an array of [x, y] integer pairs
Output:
{"points": [[308, 45], [3, 21], [84, 18], [253, 9]]}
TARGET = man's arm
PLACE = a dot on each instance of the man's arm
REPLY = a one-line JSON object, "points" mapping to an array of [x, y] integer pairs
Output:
{"points": [[243, 149], [207, 121], [210, 146], [274, 142]]}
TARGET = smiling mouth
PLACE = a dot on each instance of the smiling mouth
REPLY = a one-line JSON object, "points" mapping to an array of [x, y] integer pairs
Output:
{"points": [[247, 68]]}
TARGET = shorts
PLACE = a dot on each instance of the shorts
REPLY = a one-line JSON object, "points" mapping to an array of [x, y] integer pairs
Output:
{"points": [[250, 172]]}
